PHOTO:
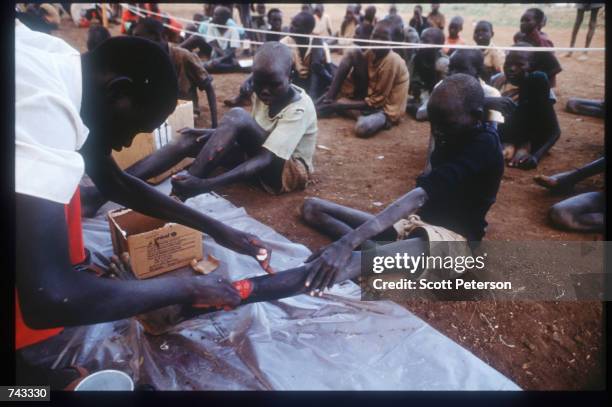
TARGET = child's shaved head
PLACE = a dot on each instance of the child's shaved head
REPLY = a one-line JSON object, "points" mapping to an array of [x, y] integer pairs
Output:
{"points": [[271, 70], [455, 109], [432, 36], [457, 20], [303, 23], [273, 53], [467, 61], [458, 92], [221, 15]]}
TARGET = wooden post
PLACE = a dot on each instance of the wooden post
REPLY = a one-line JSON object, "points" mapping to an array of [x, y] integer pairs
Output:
{"points": [[104, 16]]}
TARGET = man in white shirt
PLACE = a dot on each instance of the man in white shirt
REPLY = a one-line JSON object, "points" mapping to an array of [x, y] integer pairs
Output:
{"points": [[71, 111], [224, 41], [323, 24]]}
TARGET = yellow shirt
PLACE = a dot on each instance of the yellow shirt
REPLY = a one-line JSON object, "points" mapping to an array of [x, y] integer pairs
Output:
{"points": [[388, 81], [292, 133], [300, 64]]}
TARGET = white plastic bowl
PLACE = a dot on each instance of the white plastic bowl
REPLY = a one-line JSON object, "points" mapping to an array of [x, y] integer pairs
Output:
{"points": [[106, 380]]}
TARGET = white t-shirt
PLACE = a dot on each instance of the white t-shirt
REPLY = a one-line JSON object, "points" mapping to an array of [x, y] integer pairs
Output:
{"points": [[48, 126], [230, 38]]}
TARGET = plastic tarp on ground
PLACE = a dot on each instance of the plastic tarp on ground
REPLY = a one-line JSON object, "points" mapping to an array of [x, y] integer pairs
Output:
{"points": [[301, 343]]}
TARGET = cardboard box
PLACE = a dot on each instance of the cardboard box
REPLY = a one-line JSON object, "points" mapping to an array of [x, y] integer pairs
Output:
{"points": [[145, 144], [155, 246]]}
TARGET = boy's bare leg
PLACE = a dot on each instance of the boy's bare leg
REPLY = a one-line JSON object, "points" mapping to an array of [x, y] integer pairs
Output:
{"points": [[237, 126], [566, 180], [369, 125], [577, 24], [586, 107], [188, 144], [583, 212], [336, 220]]}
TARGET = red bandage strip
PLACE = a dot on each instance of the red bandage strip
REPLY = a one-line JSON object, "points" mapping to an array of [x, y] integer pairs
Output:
{"points": [[244, 287]]}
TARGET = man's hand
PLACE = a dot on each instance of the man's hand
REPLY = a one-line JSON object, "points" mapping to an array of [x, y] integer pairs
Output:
{"points": [[504, 105], [247, 244], [212, 291], [324, 264]]}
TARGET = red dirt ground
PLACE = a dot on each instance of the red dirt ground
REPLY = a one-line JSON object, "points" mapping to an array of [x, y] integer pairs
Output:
{"points": [[541, 346]]}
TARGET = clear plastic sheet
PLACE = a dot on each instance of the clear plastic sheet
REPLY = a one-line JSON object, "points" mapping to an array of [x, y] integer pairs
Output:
{"points": [[301, 343]]}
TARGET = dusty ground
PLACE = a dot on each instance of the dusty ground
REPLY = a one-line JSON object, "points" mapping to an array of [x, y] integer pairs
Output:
{"points": [[538, 345]]}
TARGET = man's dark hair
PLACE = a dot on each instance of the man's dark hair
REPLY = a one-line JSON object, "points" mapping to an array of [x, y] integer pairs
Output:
{"points": [[306, 20], [484, 22], [146, 64], [537, 13], [461, 90], [272, 11], [151, 26], [97, 34], [419, 7]]}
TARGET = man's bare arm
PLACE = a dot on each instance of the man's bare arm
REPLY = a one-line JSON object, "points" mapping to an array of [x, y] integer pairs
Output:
{"points": [[53, 294]]}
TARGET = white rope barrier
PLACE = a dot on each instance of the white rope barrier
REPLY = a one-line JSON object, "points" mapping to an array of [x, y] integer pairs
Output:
{"points": [[396, 45]]}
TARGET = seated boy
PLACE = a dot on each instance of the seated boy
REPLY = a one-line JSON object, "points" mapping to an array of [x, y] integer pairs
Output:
{"points": [[311, 70], [470, 62], [275, 24], [449, 203], [348, 27], [531, 23], [275, 143], [377, 82], [454, 28], [493, 58], [583, 212], [223, 41], [190, 73], [533, 128], [428, 67]]}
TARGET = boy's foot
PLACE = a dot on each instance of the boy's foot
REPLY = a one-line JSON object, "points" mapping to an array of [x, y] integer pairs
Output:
{"points": [[237, 101], [583, 57], [569, 54], [508, 152], [555, 183], [185, 186]]}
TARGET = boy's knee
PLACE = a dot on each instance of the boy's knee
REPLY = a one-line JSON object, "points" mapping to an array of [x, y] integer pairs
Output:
{"points": [[560, 216], [236, 116], [310, 209], [367, 126], [362, 129]]}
